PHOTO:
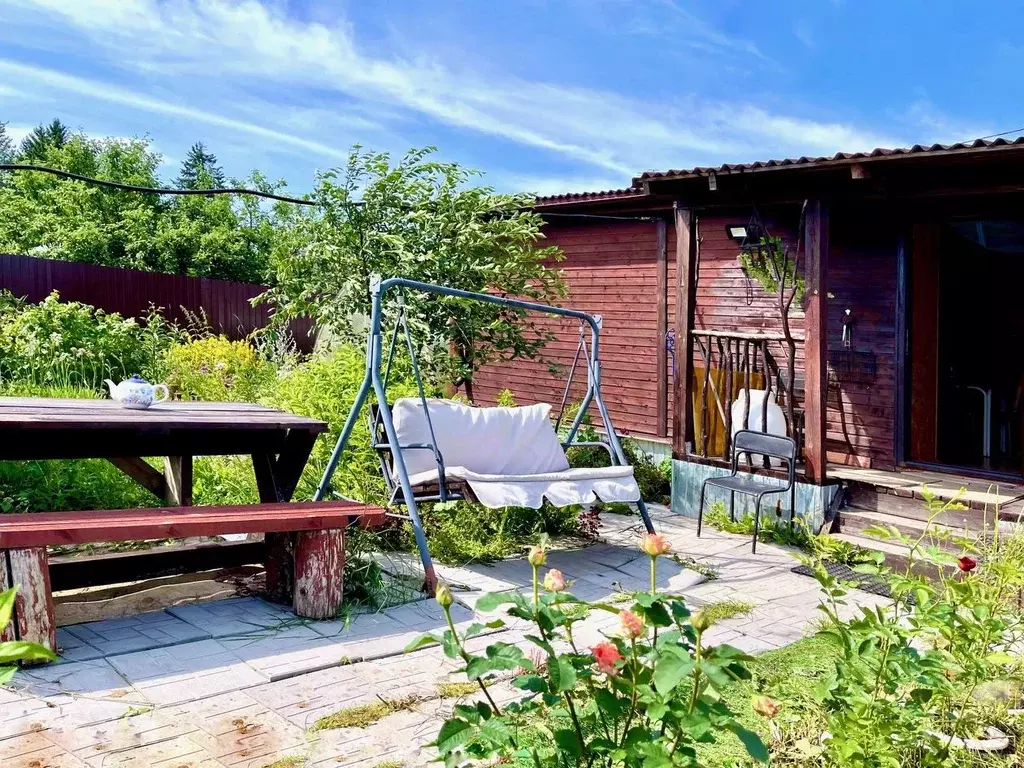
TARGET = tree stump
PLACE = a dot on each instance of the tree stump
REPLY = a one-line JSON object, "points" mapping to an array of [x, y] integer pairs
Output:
{"points": [[319, 562]]}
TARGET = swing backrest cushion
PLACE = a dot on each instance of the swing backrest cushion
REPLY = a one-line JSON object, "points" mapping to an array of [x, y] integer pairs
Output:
{"points": [[491, 441]]}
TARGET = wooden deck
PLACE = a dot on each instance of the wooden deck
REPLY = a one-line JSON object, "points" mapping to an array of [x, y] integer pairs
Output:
{"points": [[909, 483]]}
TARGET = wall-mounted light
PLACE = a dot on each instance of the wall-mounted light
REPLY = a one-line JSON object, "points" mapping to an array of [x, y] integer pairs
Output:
{"points": [[736, 233]]}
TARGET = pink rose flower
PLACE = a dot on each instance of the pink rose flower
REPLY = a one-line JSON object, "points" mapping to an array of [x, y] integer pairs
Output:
{"points": [[631, 626], [606, 655], [654, 544], [554, 581]]}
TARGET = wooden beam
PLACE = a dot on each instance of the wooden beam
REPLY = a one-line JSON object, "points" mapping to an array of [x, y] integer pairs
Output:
{"points": [[178, 474], [33, 606], [662, 353], [142, 472], [686, 273], [815, 239]]}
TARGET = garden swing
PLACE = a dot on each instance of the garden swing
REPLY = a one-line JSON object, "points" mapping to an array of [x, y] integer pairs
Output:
{"points": [[441, 450]]}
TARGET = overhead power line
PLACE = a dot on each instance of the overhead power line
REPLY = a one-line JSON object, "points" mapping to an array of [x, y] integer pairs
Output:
{"points": [[154, 190]]}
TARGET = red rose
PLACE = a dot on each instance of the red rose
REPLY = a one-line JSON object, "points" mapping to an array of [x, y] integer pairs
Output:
{"points": [[606, 655], [967, 564]]}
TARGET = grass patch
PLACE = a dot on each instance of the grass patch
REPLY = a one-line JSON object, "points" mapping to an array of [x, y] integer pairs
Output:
{"points": [[289, 761], [390, 764], [456, 690], [363, 715], [726, 609]]}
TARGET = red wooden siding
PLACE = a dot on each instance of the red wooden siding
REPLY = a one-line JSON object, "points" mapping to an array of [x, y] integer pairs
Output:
{"points": [[611, 270], [130, 293]]}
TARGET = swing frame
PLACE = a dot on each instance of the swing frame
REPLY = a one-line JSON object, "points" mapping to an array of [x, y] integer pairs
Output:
{"points": [[373, 379]]}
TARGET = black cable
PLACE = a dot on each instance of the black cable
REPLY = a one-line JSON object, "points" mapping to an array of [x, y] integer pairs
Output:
{"points": [[152, 190]]}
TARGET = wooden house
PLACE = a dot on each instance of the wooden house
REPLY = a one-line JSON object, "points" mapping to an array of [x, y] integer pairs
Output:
{"points": [[903, 360]]}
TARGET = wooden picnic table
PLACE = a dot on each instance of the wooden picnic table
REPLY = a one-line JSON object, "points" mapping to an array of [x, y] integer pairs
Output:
{"points": [[52, 428]]}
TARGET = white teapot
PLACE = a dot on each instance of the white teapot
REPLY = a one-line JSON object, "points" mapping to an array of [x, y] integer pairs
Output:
{"points": [[136, 392]]}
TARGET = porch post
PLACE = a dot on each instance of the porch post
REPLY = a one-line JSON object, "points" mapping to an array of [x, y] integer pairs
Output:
{"points": [[686, 270], [661, 227], [815, 239]]}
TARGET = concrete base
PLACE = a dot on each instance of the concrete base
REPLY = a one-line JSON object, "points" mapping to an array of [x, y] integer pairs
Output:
{"points": [[687, 478]]}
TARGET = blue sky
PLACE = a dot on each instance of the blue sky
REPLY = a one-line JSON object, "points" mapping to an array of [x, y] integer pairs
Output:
{"points": [[542, 96]]}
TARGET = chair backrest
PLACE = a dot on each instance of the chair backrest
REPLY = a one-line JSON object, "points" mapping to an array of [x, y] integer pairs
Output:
{"points": [[492, 441], [775, 446]]}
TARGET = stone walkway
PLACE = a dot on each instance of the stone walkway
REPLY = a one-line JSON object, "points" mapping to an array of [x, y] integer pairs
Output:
{"points": [[242, 682]]}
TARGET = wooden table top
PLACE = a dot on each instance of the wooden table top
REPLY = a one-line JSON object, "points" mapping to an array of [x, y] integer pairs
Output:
{"points": [[56, 413]]}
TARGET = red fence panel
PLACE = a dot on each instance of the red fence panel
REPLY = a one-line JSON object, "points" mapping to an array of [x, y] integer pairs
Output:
{"points": [[129, 292]]}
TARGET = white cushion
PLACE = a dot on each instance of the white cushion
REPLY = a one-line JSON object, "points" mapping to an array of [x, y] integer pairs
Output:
{"points": [[488, 441]]}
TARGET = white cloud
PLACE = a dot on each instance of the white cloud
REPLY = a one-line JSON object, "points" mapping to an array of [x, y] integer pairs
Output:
{"points": [[229, 53], [936, 126]]}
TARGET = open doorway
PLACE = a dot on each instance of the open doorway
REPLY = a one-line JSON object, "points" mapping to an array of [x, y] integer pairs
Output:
{"points": [[967, 345]]}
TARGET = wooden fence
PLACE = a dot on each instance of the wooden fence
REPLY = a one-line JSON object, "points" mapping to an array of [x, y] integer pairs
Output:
{"points": [[129, 292]]}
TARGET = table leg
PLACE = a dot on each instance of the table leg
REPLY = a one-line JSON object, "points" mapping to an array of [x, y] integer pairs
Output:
{"points": [[276, 480], [178, 474], [319, 565]]}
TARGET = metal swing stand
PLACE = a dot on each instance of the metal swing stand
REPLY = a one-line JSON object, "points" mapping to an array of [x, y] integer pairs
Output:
{"points": [[373, 378]]}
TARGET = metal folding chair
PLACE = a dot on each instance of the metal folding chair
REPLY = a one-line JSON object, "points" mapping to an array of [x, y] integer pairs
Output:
{"points": [[750, 442]]}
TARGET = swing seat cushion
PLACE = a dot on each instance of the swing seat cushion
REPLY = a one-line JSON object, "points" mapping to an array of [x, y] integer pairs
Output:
{"points": [[508, 456]]}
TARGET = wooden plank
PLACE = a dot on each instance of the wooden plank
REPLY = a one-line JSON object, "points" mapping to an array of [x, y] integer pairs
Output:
{"points": [[178, 475], [38, 529], [686, 267], [815, 240], [89, 570], [33, 606], [662, 301], [319, 564], [142, 472]]}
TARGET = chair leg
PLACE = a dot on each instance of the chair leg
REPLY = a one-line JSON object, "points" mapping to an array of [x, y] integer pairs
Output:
{"points": [[792, 505], [700, 509], [732, 506], [757, 517]]}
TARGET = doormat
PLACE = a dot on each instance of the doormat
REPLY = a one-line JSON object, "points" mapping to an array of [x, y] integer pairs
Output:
{"points": [[843, 572]]}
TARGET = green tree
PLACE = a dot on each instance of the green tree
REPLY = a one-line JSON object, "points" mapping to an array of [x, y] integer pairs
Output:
{"points": [[43, 138], [421, 219], [200, 170], [6, 145]]}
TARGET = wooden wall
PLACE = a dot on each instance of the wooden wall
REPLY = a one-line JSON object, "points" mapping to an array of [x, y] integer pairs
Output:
{"points": [[611, 269]]}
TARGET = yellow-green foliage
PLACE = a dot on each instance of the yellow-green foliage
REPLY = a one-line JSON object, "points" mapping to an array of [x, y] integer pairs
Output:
{"points": [[456, 690], [288, 761], [507, 399], [214, 368], [364, 714]]}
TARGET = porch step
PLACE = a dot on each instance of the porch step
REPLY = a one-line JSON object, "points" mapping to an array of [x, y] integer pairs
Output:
{"points": [[854, 520], [868, 498]]}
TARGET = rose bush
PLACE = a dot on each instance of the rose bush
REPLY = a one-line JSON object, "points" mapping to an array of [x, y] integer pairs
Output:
{"points": [[643, 696]]}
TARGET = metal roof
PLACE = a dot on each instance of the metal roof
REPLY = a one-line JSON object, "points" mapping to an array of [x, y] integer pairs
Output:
{"points": [[841, 158]]}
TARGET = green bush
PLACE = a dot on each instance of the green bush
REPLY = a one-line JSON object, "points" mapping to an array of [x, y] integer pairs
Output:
{"points": [[73, 344], [215, 369]]}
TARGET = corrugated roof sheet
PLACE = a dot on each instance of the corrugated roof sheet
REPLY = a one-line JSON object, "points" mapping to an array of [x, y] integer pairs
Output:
{"points": [[764, 165], [841, 157], [576, 197]]}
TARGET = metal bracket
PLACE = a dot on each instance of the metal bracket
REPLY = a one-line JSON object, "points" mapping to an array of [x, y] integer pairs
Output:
{"points": [[375, 281], [600, 322]]}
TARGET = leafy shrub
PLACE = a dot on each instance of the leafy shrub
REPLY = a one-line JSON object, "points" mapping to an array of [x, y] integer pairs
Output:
{"points": [[909, 674], [73, 344], [215, 369], [646, 696]]}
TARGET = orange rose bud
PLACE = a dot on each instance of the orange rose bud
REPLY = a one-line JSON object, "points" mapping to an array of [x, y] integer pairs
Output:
{"points": [[537, 557], [654, 544], [444, 595], [631, 626], [554, 581], [765, 707]]}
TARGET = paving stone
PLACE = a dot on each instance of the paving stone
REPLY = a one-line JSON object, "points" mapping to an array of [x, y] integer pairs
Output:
{"points": [[236, 616], [135, 633], [186, 672], [170, 753], [73, 649], [97, 678]]}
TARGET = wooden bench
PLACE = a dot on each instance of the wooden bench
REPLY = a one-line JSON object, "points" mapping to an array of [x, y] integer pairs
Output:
{"points": [[306, 550]]}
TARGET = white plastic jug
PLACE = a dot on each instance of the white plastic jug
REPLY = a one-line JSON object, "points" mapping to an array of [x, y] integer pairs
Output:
{"points": [[776, 418]]}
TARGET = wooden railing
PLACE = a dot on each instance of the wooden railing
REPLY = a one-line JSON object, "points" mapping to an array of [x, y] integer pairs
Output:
{"points": [[732, 363]]}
